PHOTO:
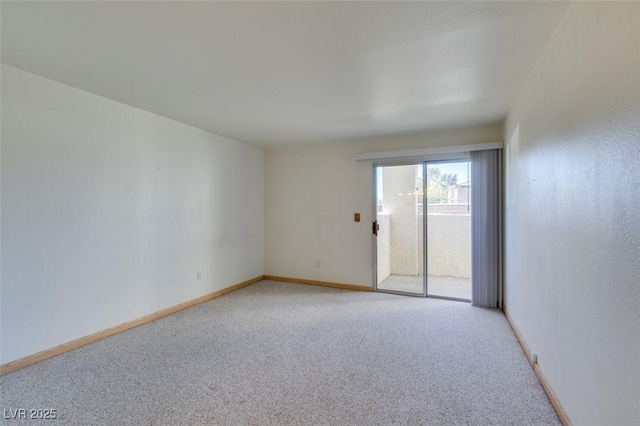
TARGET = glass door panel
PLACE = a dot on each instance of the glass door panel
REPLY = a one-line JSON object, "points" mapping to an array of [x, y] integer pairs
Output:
{"points": [[400, 234], [448, 199]]}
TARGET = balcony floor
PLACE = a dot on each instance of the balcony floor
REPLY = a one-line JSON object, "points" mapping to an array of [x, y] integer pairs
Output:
{"points": [[437, 286]]}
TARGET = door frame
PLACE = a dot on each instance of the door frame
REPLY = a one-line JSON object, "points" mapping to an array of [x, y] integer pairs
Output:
{"points": [[424, 161], [375, 237]]}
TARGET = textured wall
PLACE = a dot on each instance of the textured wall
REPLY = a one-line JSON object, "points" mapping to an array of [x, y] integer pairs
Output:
{"points": [[572, 222], [109, 213]]}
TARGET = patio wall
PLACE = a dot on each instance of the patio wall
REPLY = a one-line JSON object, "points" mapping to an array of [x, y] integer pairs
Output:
{"points": [[383, 242], [400, 251], [449, 245]]}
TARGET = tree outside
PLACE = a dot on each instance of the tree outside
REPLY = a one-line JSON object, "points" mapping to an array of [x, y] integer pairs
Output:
{"points": [[439, 185]]}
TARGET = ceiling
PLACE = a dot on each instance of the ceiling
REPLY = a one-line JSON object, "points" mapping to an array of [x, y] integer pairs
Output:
{"points": [[270, 73]]}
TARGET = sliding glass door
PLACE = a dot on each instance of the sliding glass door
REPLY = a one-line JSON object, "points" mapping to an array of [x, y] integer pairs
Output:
{"points": [[448, 201], [423, 229], [400, 229]]}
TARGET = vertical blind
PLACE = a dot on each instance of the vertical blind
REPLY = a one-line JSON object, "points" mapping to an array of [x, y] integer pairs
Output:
{"points": [[486, 228]]}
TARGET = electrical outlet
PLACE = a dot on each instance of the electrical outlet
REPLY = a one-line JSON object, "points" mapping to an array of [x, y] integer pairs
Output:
{"points": [[198, 276], [317, 263]]}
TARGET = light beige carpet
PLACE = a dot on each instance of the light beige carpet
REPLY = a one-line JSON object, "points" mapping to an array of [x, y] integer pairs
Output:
{"points": [[276, 353]]}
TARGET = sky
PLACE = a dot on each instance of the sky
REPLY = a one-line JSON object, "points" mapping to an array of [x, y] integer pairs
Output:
{"points": [[461, 169]]}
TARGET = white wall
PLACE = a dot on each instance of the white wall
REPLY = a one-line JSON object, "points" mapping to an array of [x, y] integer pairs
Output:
{"points": [[109, 212], [572, 213], [312, 192]]}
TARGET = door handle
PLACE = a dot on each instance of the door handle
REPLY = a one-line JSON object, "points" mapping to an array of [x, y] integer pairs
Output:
{"points": [[375, 228]]}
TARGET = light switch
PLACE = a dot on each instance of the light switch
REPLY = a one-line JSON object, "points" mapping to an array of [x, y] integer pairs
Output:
{"points": [[356, 217]]}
